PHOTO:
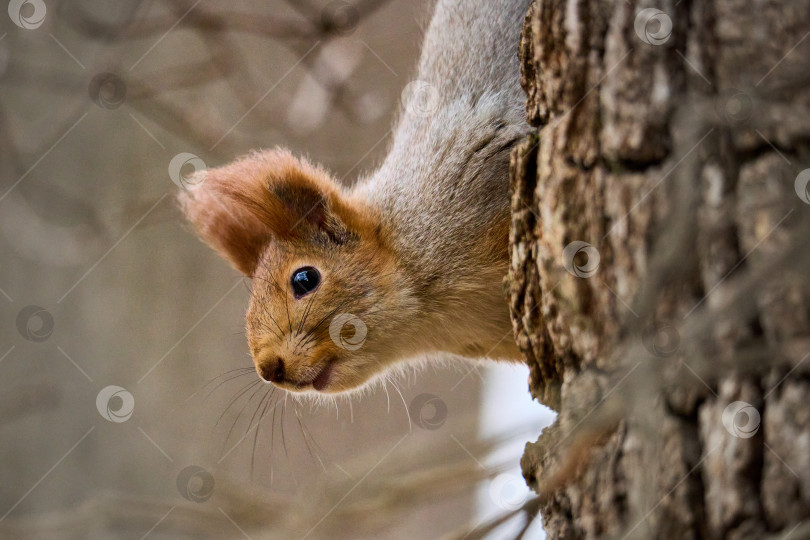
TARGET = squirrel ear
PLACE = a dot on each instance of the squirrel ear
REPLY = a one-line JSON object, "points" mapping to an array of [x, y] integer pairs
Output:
{"points": [[238, 208]]}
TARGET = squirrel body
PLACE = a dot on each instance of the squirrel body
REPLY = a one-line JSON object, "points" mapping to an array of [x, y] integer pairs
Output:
{"points": [[350, 283]]}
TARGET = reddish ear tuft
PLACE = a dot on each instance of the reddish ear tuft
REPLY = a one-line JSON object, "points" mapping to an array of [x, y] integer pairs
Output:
{"points": [[239, 207]]}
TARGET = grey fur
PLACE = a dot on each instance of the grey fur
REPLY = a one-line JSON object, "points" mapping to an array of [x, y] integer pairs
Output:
{"points": [[445, 181]]}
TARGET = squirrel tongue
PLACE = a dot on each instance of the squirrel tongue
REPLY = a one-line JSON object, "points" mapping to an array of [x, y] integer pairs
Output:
{"points": [[323, 377]]}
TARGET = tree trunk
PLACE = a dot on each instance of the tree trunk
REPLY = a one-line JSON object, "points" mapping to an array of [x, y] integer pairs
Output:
{"points": [[658, 283]]}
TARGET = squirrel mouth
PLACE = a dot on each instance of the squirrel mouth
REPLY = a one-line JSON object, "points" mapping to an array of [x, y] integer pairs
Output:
{"points": [[322, 380]]}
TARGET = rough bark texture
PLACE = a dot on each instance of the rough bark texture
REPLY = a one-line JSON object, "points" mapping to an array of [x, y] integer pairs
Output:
{"points": [[676, 158]]}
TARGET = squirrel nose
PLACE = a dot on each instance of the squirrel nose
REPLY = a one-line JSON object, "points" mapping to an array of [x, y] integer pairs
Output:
{"points": [[272, 370]]}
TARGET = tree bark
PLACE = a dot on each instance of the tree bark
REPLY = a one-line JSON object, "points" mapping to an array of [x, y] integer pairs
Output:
{"points": [[673, 339]]}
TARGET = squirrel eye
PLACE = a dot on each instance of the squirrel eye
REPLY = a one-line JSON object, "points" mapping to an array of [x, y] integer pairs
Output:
{"points": [[304, 281]]}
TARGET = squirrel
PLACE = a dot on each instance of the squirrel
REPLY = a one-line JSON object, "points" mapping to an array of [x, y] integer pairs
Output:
{"points": [[350, 284]]}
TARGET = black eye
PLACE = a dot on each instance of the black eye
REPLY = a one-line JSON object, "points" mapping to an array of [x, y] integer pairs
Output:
{"points": [[304, 281]]}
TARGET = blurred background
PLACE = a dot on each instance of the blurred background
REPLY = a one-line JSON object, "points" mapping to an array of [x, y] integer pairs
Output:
{"points": [[120, 415]]}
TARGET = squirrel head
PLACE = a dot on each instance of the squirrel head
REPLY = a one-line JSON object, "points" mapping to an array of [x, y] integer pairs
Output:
{"points": [[326, 287]]}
